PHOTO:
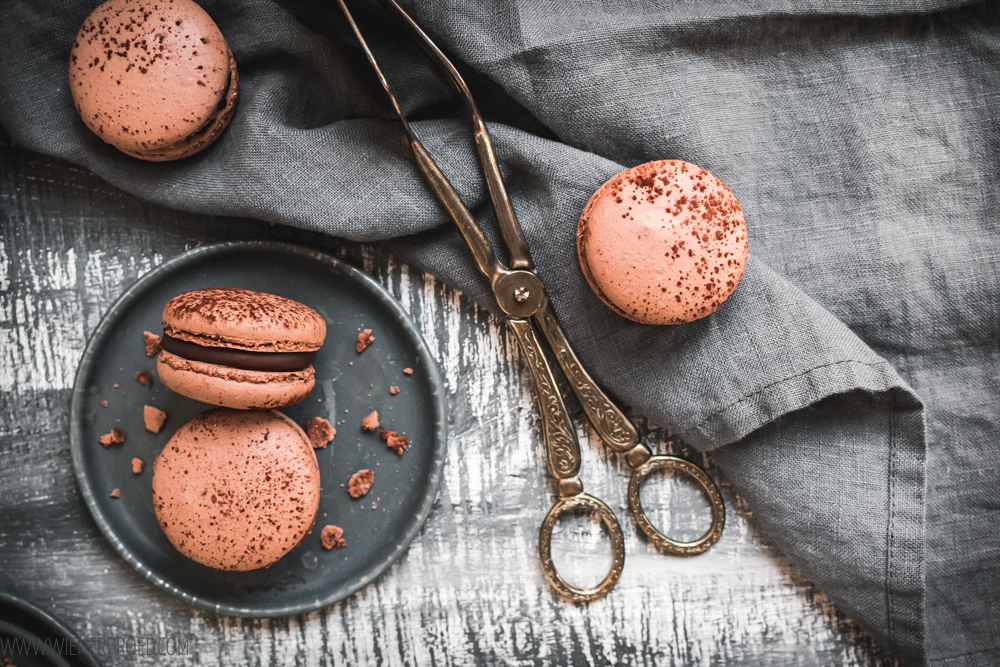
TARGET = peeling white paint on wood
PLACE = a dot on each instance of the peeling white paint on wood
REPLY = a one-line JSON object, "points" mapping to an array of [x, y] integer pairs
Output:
{"points": [[469, 590]]}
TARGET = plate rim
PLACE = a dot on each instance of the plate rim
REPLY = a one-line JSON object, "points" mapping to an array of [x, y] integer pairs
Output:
{"points": [[86, 367], [53, 624]]}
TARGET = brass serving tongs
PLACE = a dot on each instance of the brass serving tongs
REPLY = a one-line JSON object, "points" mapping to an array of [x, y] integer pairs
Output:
{"points": [[522, 298]]}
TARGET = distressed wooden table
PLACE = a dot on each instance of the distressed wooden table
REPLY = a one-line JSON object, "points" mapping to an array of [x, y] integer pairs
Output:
{"points": [[469, 591]]}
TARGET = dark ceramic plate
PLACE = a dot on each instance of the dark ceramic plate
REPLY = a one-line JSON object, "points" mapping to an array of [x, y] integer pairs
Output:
{"points": [[32, 638], [378, 528]]}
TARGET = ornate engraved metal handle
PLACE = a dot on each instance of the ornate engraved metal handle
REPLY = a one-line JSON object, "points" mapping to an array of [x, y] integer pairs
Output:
{"points": [[613, 427], [604, 513], [561, 446], [660, 540]]}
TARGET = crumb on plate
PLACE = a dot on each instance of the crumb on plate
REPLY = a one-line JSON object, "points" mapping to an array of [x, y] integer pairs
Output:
{"points": [[115, 437], [365, 338], [370, 423], [320, 432], [152, 342], [360, 482], [397, 443], [145, 378], [332, 536], [153, 418]]}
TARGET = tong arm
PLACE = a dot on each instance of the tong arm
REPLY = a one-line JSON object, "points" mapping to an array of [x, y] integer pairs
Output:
{"points": [[609, 421], [510, 228], [562, 449]]}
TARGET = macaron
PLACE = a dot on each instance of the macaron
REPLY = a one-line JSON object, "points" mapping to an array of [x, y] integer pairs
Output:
{"points": [[153, 78], [236, 490], [239, 348], [663, 243]]}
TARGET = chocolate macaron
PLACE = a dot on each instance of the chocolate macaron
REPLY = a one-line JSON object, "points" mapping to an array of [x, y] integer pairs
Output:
{"points": [[155, 79], [236, 490], [663, 243], [239, 349]]}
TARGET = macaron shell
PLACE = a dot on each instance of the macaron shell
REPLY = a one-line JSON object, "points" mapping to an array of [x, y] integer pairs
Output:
{"points": [[146, 75], [236, 490], [205, 136], [244, 319], [233, 387], [663, 243]]}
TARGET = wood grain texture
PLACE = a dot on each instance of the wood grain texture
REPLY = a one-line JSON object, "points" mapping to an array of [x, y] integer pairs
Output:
{"points": [[470, 590]]}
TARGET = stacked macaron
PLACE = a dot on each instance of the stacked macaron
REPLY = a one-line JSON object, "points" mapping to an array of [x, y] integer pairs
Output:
{"points": [[239, 349], [237, 487], [156, 80]]}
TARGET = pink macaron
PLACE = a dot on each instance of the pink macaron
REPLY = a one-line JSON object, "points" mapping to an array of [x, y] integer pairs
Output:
{"points": [[155, 79], [663, 243]]}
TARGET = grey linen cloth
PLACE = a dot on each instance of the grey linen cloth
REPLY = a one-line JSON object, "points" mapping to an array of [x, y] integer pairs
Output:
{"points": [[850, 387]]}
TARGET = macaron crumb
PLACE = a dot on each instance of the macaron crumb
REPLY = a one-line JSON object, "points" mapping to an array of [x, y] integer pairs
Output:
{"points": [[365, 339], [153, 418], [320, 431], [116, 493], [104, 404], [115, 437], [137, 466], [392, 441], [360, 482], [370, 423], [394, 390], [152, 342], [332, 536], [144, 378], [397, 444], [408, 371]]}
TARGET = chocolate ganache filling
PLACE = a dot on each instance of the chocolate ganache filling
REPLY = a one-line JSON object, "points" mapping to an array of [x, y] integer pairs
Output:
{"points": [[269, 362]]}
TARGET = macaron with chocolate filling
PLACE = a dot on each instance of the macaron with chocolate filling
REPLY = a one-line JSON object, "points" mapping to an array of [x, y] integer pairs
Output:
{"points": [[239, 349], [236, 490], [153, 78]]}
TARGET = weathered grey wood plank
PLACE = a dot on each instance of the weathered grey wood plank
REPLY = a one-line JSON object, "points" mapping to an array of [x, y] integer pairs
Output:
{"points": [[469, 591]]}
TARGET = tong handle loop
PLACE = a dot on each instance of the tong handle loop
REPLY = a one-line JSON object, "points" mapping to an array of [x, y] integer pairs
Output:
{"points": [[659, 540], [607, 517]]}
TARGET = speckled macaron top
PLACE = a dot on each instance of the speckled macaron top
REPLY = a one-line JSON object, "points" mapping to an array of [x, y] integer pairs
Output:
{"points": [[663, 243], [243, 319], [154, 78], [236, 490]]}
